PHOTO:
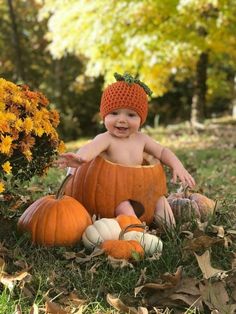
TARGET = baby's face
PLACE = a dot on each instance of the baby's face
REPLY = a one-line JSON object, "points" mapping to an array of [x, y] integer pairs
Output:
{"points": [[122, 122]]}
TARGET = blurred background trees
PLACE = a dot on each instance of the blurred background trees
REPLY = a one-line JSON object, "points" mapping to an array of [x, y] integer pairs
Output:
{"points": [[184, 50]]}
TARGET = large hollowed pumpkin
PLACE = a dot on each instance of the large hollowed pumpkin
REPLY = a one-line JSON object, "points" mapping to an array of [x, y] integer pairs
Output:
{"points": [[101, 186], [55, 220]]}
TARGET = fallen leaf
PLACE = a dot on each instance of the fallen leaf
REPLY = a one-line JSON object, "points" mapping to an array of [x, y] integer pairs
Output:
{"points": [[142, 277], [10, 280], [2, 265], [54, 308], [185, 293], [120, 306], [118, 263], [205, 265], [219, 230], [216, 297], [18, 309], [170, 281], [201, 242], [34, 309]]}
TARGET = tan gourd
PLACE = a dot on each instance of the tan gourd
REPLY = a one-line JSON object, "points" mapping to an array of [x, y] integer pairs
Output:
{"points": [[185, 204]]}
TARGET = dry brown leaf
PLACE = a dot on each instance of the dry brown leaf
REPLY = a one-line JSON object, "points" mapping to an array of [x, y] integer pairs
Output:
{"points": [[142, 277], [69, 255], [170, 281], [18, 309], [54, 308], [219, 230], [10, 280], [88, 258], [185, 293], [120, 306], [201, 242], [202, 225], [188, 234], [216, 297], [74, 299], [118, 263], [2, 265], [233, 263], [34, 309], [205, 265]]}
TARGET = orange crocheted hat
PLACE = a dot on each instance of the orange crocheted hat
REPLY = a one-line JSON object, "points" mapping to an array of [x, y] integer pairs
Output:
{"points": [[127, 92]]}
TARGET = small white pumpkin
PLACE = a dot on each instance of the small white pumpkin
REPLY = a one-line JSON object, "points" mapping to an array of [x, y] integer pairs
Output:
{"points": [[151, 243], [101, 230]]}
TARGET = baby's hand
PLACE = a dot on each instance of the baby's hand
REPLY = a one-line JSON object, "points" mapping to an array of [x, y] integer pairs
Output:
{"points": [[69, 160], [184, 176]]}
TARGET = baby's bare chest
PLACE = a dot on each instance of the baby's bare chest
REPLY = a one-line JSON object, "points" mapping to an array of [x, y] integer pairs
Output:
{"points": [[125, 152]]}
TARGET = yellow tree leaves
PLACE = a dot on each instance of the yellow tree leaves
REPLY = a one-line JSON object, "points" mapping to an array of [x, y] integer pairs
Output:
{"points": [[155, 39]]}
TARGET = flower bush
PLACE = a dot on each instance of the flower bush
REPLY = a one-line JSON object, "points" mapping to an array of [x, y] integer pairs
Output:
{"points": [[28, 139]]}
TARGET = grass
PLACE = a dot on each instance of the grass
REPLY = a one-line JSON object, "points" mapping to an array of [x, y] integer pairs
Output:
{"points": [[209, 158]]}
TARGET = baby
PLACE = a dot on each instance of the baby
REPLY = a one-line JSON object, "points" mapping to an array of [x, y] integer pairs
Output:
{"points": [[124, 108]]}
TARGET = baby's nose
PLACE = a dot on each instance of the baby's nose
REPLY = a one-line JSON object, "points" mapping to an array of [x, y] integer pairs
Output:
{"points": [[122, 118]]}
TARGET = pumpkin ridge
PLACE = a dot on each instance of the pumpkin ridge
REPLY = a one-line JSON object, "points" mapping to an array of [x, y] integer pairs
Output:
{"points": [[95, 186], [49, 227], [27, 215], [62, 230], [39, 226], [69, 210]]}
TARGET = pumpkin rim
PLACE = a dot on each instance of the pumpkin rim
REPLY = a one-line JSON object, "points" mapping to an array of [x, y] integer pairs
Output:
{"points": [[130, 166]]}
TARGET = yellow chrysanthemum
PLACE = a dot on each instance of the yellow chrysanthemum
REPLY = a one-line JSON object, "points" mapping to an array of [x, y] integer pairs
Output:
{"points": [[17, 99], [61, 147], [28, 125], [5, 145], [7, 167], [19, 124], [39, 131], [2, 189], [2, 106], [28, 154], [10, 116]]}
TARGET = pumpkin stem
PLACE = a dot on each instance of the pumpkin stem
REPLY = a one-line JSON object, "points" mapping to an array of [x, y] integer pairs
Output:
{"points": [[142, 226], [61, 189], [186, 191]]}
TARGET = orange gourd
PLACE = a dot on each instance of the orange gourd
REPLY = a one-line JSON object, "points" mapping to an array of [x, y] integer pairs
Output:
{"points": [[101, 186], [125, 221], [55, 220], [122, 249]]}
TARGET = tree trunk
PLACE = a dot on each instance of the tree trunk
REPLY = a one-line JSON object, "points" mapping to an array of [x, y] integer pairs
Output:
{"points": [[200, 88], [234, 99], [16, 43]]}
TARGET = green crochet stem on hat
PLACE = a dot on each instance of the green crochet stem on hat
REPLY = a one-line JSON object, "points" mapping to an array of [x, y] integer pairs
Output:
{"points": [[130, 80]]}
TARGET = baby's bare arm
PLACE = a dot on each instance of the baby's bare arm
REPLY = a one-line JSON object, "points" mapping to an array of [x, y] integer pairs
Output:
{"points": [[86, 153], [166, 156]]}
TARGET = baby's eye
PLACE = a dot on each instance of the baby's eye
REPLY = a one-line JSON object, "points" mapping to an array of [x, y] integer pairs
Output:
{"points": [[114, 113], [132, 114]]}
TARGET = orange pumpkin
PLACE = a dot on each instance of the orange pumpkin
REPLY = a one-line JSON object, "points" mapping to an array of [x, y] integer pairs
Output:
{"points": [[55, 220], [101, 186], [125, 221], [122, 249]]}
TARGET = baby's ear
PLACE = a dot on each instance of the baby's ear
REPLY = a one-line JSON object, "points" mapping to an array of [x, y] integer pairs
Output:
{"points": [[101, 119]]}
